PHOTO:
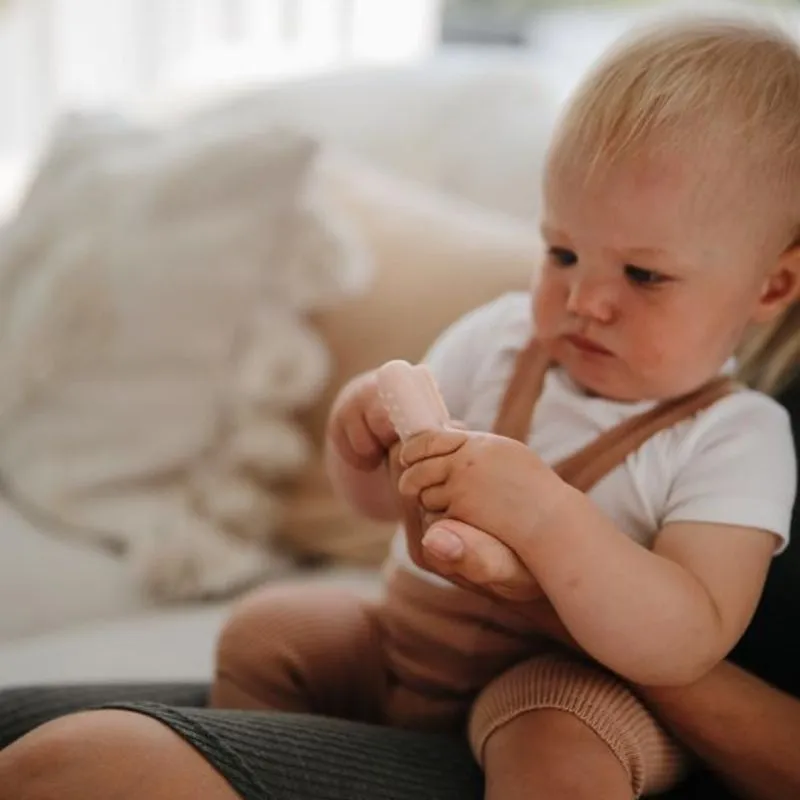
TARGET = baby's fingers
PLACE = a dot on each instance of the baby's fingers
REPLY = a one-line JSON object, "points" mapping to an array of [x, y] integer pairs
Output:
{"points": [[418, 477], [379, 425], [356, 444], [430, 444]]}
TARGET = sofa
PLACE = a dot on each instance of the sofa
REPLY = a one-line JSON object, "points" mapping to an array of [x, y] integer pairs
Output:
{"points": [[436, 217]]}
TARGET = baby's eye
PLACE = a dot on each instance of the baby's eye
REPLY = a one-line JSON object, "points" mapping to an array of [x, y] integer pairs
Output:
{"points": [[644, 277], [562, 256]]}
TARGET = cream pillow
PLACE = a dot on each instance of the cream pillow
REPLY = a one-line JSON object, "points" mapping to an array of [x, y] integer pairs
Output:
{"points": [[155, 348]]}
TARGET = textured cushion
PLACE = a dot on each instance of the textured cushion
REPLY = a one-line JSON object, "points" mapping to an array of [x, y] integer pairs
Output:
{"points": [[434, 258], [155, 345]]}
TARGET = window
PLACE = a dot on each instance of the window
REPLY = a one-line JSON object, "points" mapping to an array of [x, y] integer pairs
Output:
{"points": [[516, 22], [58, 55]]}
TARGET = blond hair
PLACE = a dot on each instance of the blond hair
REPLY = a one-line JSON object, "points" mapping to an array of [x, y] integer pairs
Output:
{"points": [[710, 87]]}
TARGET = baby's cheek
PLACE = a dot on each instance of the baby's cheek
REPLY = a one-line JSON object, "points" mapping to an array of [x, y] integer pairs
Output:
{"points": [[546, 308], [651, 355], [649, 349]]}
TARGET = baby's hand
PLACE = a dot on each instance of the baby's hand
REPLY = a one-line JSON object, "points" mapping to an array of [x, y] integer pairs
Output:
{"points": [[491, 482], [359, 426]]}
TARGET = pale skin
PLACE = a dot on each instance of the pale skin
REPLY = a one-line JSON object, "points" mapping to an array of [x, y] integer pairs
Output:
{"points": [[696, 589]]}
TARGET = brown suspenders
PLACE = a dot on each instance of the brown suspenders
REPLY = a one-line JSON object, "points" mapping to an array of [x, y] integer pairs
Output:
{"points": [[586, 467]]}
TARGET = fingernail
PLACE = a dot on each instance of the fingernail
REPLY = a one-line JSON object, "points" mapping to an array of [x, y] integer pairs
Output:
{"points": [[443, 544]]}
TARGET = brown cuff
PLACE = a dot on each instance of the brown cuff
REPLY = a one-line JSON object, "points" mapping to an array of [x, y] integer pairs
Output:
{"points": [[652, 759]]}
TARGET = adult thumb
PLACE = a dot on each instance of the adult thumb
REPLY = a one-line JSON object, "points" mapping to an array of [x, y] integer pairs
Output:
{"points": [[455, 549]]}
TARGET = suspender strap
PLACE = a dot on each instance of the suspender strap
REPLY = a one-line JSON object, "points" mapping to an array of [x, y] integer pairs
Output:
{"points": [[589, 465]]}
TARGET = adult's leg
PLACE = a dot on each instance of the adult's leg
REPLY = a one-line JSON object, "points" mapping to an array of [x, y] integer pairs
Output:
{"points": [[278, 756], [282, 756], [95, 755], [25, 708]]}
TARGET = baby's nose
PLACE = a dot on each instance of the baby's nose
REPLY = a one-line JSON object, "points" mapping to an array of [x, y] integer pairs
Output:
{"points": [[592, 299]]}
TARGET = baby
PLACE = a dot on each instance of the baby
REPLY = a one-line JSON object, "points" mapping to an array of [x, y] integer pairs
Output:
{"points": [[645, 494]]}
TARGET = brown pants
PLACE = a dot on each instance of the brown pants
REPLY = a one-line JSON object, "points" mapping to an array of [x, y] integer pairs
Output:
{"points": [[428, 658]]}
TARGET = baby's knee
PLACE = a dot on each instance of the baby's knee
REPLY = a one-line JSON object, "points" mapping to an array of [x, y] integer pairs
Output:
{"points": [[245, 630], [78, 756], [556, 753], [581, 697], [280, 619], [284, 643]]}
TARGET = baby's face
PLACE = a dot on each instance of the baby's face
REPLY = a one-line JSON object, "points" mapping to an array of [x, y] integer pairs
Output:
{"points": [[652, 274]]}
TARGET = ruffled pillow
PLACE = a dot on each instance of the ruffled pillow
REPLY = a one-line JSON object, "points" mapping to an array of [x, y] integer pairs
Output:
{"points": [[155, 349]]}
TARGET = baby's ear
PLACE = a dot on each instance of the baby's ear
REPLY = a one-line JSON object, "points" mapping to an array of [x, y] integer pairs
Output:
{"points": [[781, 287]]}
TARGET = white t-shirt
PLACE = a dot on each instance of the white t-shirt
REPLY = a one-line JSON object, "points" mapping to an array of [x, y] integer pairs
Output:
{"points": [[732, 463]]}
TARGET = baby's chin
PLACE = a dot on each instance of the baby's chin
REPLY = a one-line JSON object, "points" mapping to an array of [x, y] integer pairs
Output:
{"points": [[615, 377], [607, 384], [617, 394], [626, 389]]}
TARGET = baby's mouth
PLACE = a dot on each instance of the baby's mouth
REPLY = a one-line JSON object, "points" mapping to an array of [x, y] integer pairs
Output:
{"points": [[586, 345]]}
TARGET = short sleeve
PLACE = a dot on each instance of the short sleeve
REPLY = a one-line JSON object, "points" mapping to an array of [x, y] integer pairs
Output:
{"points": [[738, 466], [457, 355]]}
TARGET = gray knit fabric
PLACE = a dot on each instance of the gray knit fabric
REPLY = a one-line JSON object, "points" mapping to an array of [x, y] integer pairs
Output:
{"points": [[281, 756], [25, 708], [271, 756]]}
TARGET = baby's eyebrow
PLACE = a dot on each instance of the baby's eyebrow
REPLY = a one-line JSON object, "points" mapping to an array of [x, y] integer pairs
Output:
{"points": [[669, 259], [548, 232], [645, 251]]}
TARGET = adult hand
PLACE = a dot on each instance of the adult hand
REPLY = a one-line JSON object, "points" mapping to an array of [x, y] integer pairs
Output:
{"points": [[465, 555], [474, 559]]}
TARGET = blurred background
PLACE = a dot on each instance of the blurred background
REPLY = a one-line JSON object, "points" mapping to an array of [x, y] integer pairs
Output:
{"points": [[66, 54], [255, 201]]}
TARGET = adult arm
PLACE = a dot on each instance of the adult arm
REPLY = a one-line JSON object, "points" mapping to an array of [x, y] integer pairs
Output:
{"points": [[741, 727]]}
